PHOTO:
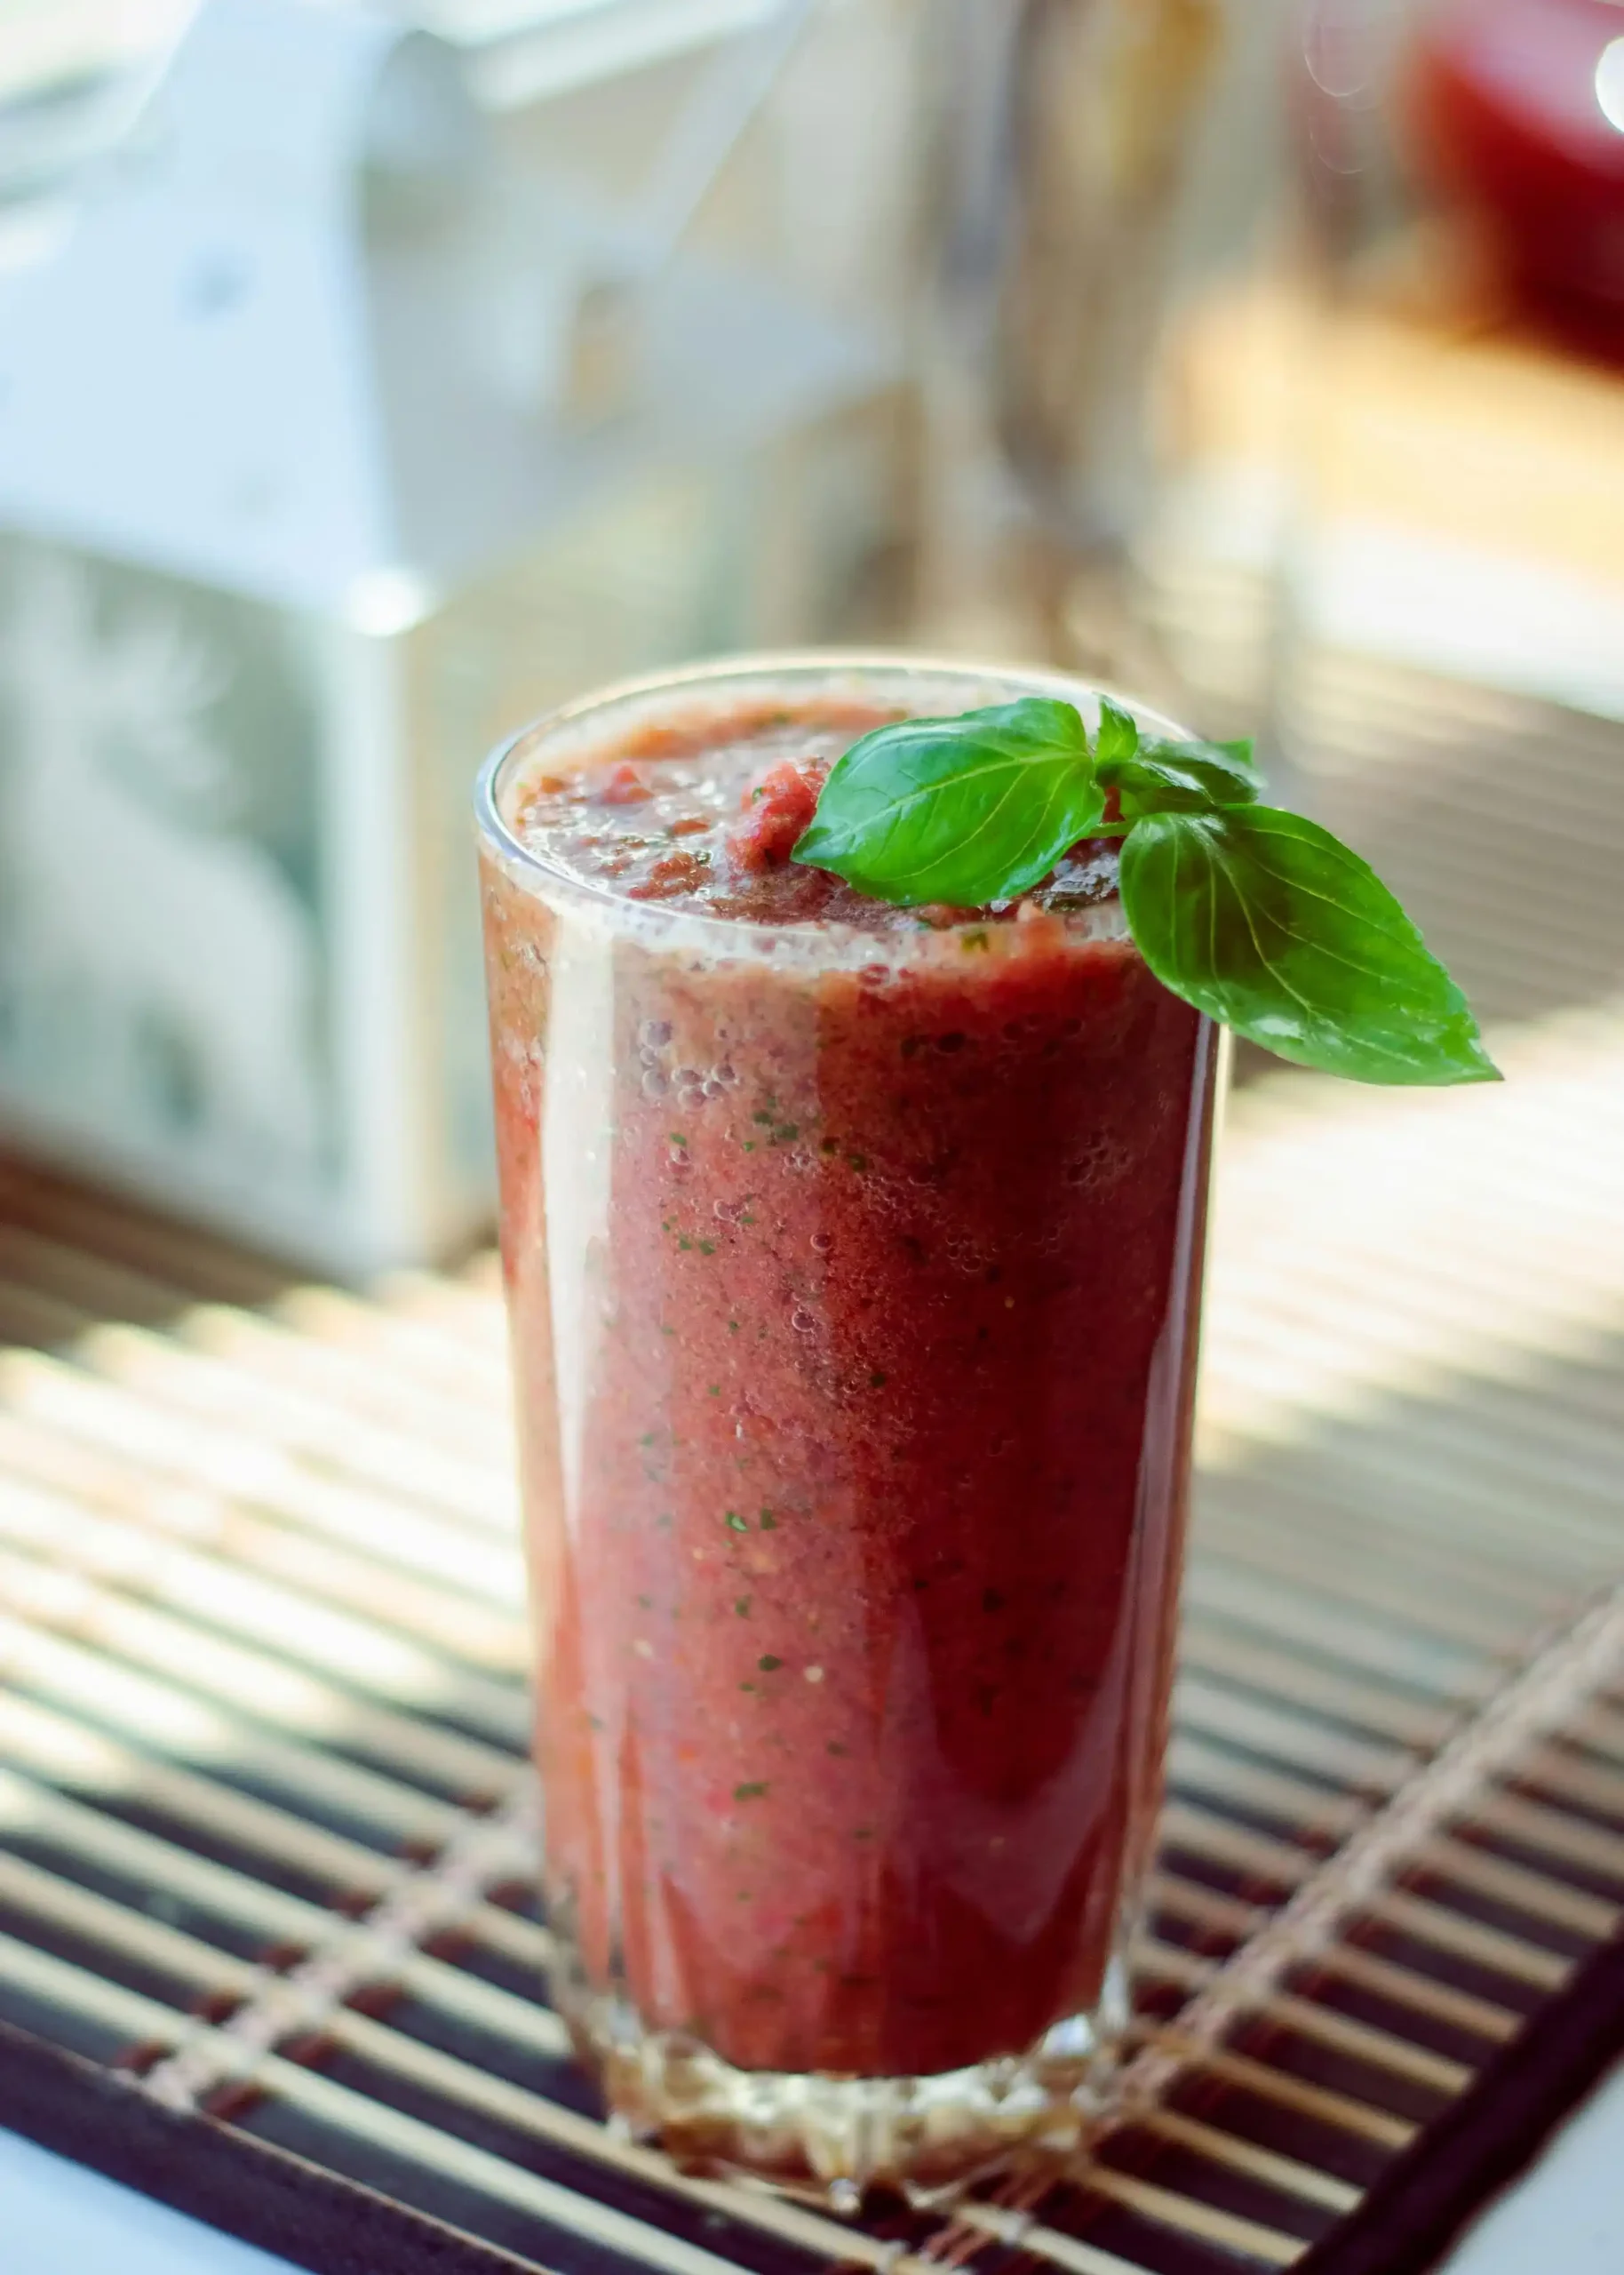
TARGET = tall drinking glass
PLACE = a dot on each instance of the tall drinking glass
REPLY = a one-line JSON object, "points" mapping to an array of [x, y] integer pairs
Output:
{"points": [[854, 1276]]}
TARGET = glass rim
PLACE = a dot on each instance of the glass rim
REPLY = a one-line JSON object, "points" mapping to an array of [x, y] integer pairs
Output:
{"points": [[549, 880]]}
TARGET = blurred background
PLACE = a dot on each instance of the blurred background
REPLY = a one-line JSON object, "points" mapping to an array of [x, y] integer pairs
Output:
{"points": [[371, 378]]}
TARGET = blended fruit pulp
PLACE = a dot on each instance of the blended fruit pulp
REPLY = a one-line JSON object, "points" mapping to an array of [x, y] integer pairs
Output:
{"points": [[852, 1270]]}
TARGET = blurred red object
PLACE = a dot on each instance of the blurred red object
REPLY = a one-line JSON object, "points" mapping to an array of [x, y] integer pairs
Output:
{"points": [[1518, 115]]}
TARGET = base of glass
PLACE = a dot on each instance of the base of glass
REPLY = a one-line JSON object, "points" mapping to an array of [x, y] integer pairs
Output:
{"points": [[829, 2138]]}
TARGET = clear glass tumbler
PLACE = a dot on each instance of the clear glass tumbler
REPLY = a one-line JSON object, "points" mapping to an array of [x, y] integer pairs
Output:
{"points": [[854, 1282]]}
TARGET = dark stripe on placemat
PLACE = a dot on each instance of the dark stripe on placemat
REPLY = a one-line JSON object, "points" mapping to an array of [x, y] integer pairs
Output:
{"points": [[1490, 2135], [215, 2173]]}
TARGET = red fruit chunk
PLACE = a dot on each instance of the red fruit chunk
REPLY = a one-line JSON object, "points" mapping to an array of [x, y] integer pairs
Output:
{"points": [[673, 873], [777, 810], [625, 786]]}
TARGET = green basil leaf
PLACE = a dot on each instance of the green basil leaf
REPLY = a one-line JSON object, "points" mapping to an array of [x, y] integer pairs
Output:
{"points": [[1119, 736], [1236, 756], [1264, 920], [962, 810], [1172, 777]]}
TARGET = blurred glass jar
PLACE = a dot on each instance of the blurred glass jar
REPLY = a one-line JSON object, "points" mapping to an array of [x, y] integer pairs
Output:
{"points": [[1118, 161], [1099, 105]]}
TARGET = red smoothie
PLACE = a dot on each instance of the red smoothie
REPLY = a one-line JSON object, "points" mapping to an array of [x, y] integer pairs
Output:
{"points": [[853, 1256]]}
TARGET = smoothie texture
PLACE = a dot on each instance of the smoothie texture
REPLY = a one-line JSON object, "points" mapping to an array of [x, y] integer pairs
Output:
{"points": [[853, 1256]]}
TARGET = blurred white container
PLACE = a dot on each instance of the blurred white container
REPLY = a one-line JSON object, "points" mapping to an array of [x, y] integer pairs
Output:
{"points": [[330, 446]]}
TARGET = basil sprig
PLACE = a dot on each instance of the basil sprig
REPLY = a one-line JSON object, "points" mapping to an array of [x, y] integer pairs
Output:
{"points": [[1258, 917]]}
